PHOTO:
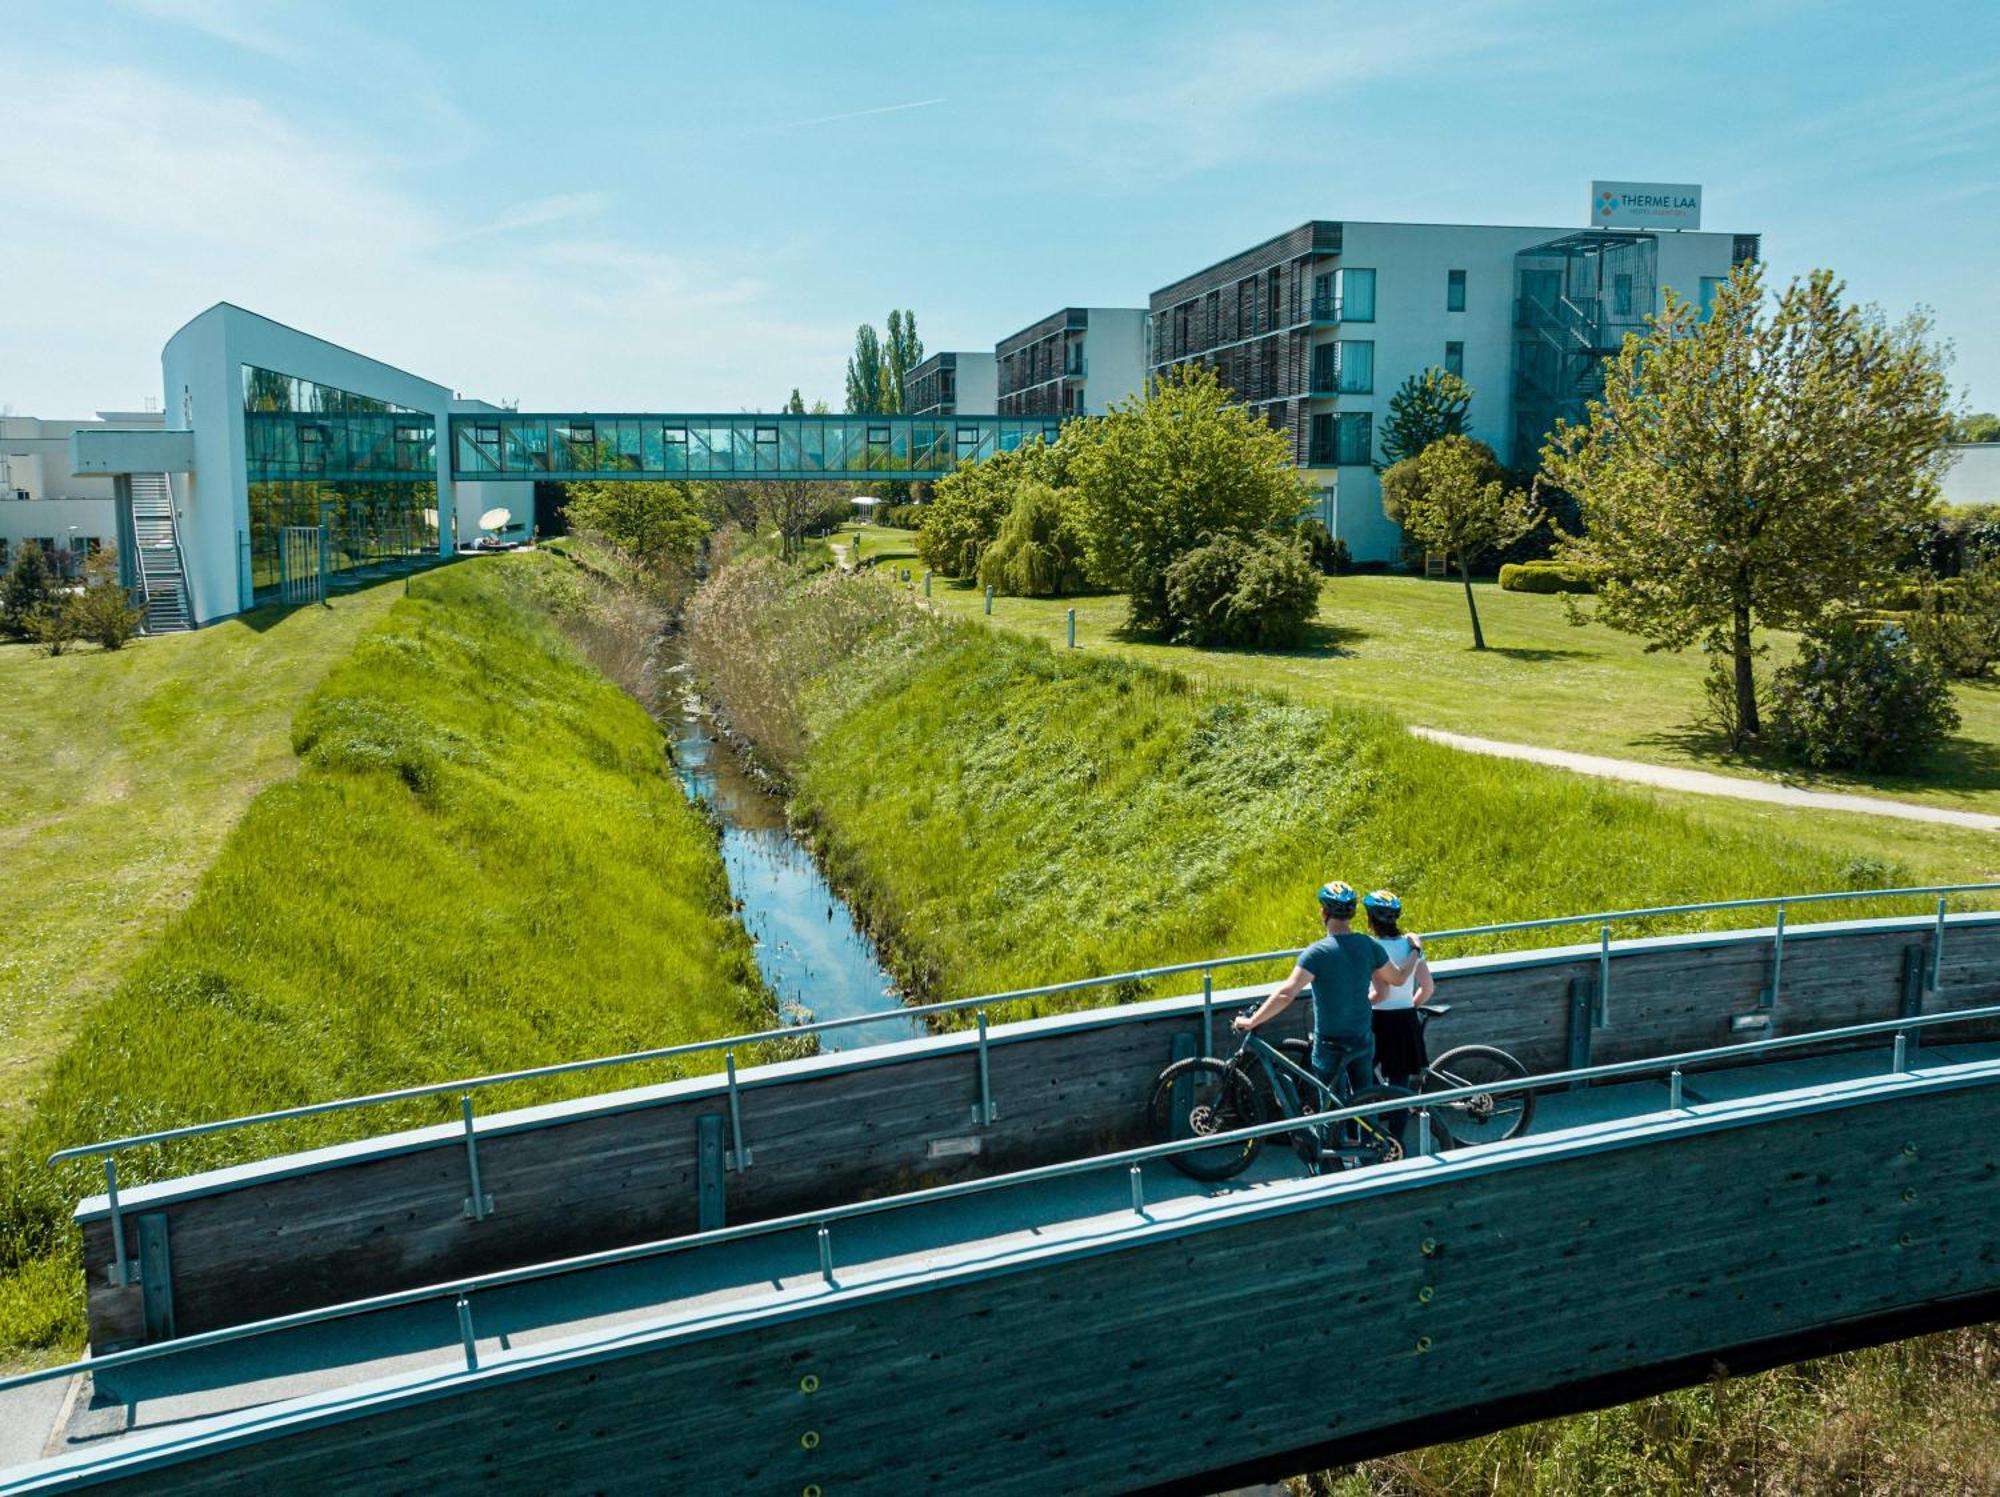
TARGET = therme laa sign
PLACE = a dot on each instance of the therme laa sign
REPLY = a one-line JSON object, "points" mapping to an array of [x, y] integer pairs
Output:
{"points": [[1645, 205]]}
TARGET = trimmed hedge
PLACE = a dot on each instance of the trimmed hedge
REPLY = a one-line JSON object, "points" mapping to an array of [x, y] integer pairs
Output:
{"points": [[1545, 577]]}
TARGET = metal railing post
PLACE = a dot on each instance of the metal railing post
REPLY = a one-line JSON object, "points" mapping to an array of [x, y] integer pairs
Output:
{"points": [[1424, 1143], [1138, 1190], [1674, 1090], [1777, 961], [739, 1155], [478, 1205], [825, 1254], [1604, 977], [1900, 1059], [465, 1335], [1937, 949], [121, 1267], [983, 1113], [1208, 1013]]}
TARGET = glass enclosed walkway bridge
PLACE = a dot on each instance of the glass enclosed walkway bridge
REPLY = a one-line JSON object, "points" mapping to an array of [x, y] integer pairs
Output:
{"points": [[490, 446]]}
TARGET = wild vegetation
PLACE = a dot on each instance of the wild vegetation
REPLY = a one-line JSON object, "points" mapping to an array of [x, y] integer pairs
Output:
{"points": [[484, 862], [1011, 813]]}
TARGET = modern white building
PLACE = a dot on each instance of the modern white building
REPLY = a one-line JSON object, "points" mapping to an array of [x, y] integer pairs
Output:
{"points": [[1079, 361], [41, 500], [280, 460], [1317, 327], [946, 383]]}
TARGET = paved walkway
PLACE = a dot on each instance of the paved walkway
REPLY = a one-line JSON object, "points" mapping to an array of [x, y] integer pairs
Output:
{"points": [[1700, 782]]}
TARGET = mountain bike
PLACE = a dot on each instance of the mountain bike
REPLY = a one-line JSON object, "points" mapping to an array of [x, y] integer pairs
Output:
{"points": [[1482, 1118], [1209, 1094]]}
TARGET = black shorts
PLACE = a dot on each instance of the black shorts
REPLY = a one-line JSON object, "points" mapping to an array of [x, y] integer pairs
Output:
{"points": [[1399, 1042]]}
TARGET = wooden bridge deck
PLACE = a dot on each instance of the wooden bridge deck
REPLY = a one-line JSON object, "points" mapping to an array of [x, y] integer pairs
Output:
{"points": [[212, 1420]]}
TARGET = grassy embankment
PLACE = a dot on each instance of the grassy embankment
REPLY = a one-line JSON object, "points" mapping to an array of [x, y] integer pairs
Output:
{"points": [[120, 776], [483, 862], [1403, 643], [1015, 815]]}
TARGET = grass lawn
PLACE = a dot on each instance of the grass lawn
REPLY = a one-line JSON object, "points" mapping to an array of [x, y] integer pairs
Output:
{"points": [[484, 861], [1403, 643], [120, 776]]}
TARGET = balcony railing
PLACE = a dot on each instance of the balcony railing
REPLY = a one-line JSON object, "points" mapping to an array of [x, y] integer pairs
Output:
{"points": [[1335, 309]]}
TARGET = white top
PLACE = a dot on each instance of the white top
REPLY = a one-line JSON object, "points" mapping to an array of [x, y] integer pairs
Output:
{"points": [[1404, 994]]}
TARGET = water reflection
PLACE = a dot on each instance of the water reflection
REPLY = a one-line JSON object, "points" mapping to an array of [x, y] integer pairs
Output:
{"points": [[815, 958]]}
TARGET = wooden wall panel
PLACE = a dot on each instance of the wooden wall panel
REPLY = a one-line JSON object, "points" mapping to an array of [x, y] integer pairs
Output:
{"points": [[275, 1243], [1196, 1352]]}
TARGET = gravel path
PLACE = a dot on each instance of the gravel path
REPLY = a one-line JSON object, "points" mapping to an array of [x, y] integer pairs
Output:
{"points": [[1700, 782]]}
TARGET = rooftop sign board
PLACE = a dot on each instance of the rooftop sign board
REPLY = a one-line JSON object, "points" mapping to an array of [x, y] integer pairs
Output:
{"points": [[1645, 205]]}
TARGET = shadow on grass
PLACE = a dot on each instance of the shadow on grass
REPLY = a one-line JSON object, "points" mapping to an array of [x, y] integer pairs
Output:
{"points": [[1961, 764], [1515, 652]]}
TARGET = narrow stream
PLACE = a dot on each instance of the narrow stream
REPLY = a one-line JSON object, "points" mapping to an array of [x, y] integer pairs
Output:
{"points": [[813, 955]]}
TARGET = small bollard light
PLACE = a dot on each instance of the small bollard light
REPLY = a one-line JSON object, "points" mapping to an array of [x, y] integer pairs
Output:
{"points": [[927, 584], [1072, 628], [989, 597]]}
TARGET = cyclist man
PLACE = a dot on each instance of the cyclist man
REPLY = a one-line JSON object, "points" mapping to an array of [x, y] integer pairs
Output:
{"points": [[1348, 972]]}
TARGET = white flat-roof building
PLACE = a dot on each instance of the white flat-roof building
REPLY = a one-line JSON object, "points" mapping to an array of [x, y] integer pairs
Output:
{"points": [[1079, 361], [946, 383], [68, 515], [1318, 326]]}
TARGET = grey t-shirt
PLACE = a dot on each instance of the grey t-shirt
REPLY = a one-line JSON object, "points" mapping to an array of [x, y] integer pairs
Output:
{"points": [[1341, 968]]}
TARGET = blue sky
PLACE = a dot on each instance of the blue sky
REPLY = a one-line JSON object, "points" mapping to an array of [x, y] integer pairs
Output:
{"points": [[660, 206]]}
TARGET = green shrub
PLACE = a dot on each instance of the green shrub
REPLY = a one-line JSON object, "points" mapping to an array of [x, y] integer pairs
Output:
{"points": [[1258, 590], [1861, 697], [902, 516], [26, 591], [1038, 552], [1958, 619], [971, 504], [1545, 577], [1324, 550], [104, 612]]}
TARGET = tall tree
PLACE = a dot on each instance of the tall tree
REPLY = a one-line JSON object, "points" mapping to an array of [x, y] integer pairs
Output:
{"points": [[1425, 408], [796, 405], [1750, 469], [1170, 470], [656, 523], [865, 369], [902, 351], [1452, 498]]}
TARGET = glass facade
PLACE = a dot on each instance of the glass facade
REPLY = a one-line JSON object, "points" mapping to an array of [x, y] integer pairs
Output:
{"points": [[511, 445], [1356, 291], [362, 470], [1343, 439]]}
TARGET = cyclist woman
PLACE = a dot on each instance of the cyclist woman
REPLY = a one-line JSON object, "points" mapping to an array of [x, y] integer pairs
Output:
{"points": [[1345, 970], [1399, 1030]]}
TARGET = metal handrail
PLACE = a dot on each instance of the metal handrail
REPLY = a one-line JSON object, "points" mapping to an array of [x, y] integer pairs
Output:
{"points": [[1422, 1103], [113, 1146]]}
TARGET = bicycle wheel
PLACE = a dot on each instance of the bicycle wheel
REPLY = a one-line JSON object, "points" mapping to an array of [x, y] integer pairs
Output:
{"points": [[1205, 1095], [1482, 1118], [1371, 1140]]}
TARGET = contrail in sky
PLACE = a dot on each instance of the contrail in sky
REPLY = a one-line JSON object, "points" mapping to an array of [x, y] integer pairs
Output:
{"points": [[855, 114]]}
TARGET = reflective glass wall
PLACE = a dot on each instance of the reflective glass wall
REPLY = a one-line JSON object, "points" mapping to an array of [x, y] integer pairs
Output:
{"points": [[361, 470]]}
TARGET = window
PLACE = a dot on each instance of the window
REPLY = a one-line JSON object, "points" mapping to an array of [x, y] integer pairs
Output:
{"points": [[674, 436], [767, 435], [312, 448], [1621, 296], [1454, 359], [1454, 291], [1273, 299], [1710, 285], [1354, 295], [878, 436], [1357, 438], [1356, 368]]}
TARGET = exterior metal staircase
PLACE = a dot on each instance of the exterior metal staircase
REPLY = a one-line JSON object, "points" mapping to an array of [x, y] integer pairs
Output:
{"points": [[159, 570]]}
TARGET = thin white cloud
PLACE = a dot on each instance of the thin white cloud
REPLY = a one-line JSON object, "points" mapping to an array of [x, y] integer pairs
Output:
{"points": [[236, 22], [537, 213], [155, 199], [856, 114]]}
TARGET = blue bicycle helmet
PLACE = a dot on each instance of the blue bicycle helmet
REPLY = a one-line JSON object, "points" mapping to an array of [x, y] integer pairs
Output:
{"points": [[1338, 897], [1383, 901]]}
